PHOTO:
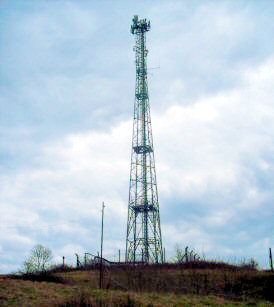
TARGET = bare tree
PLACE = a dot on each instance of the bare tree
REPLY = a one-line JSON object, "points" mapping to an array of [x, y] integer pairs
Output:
{"points": [[179, 253], [39, 259]]}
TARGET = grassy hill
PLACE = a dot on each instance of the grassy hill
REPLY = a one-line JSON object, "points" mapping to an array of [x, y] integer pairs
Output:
{"points": [[191, 284]]}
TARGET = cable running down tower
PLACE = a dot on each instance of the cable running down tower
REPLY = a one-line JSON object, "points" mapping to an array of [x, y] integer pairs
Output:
{"points": [[144, 240]]}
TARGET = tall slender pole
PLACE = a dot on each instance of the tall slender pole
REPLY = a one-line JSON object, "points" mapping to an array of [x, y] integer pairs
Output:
{"points": [[102, 234]]}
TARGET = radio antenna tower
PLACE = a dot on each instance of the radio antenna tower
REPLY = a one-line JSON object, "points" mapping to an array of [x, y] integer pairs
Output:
{"points": [[144, 239]]}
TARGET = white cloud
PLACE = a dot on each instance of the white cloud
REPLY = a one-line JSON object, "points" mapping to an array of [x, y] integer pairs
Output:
{"points": [[199, 156]]}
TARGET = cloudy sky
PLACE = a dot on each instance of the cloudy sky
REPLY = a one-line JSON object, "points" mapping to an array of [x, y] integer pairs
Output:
{"points": [[67, 82]]}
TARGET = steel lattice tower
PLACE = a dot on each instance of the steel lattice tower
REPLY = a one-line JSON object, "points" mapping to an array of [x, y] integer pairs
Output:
{"points": [[144, 240]]}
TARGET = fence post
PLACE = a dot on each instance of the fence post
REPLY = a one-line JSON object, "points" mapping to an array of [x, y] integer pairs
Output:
{"points": [[77, 261], [186, 254], [270, 259]]}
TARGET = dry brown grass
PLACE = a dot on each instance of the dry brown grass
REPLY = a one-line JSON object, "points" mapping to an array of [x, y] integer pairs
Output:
{"points": [[28, 293], [224, 281], [141, 286]]}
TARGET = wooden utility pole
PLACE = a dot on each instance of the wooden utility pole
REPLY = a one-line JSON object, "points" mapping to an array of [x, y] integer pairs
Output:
{"points": [[270, 259], [102, 235]]}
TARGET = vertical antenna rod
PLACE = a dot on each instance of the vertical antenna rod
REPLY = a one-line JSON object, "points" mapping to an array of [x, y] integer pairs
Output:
{"points": [[144, 240]]}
